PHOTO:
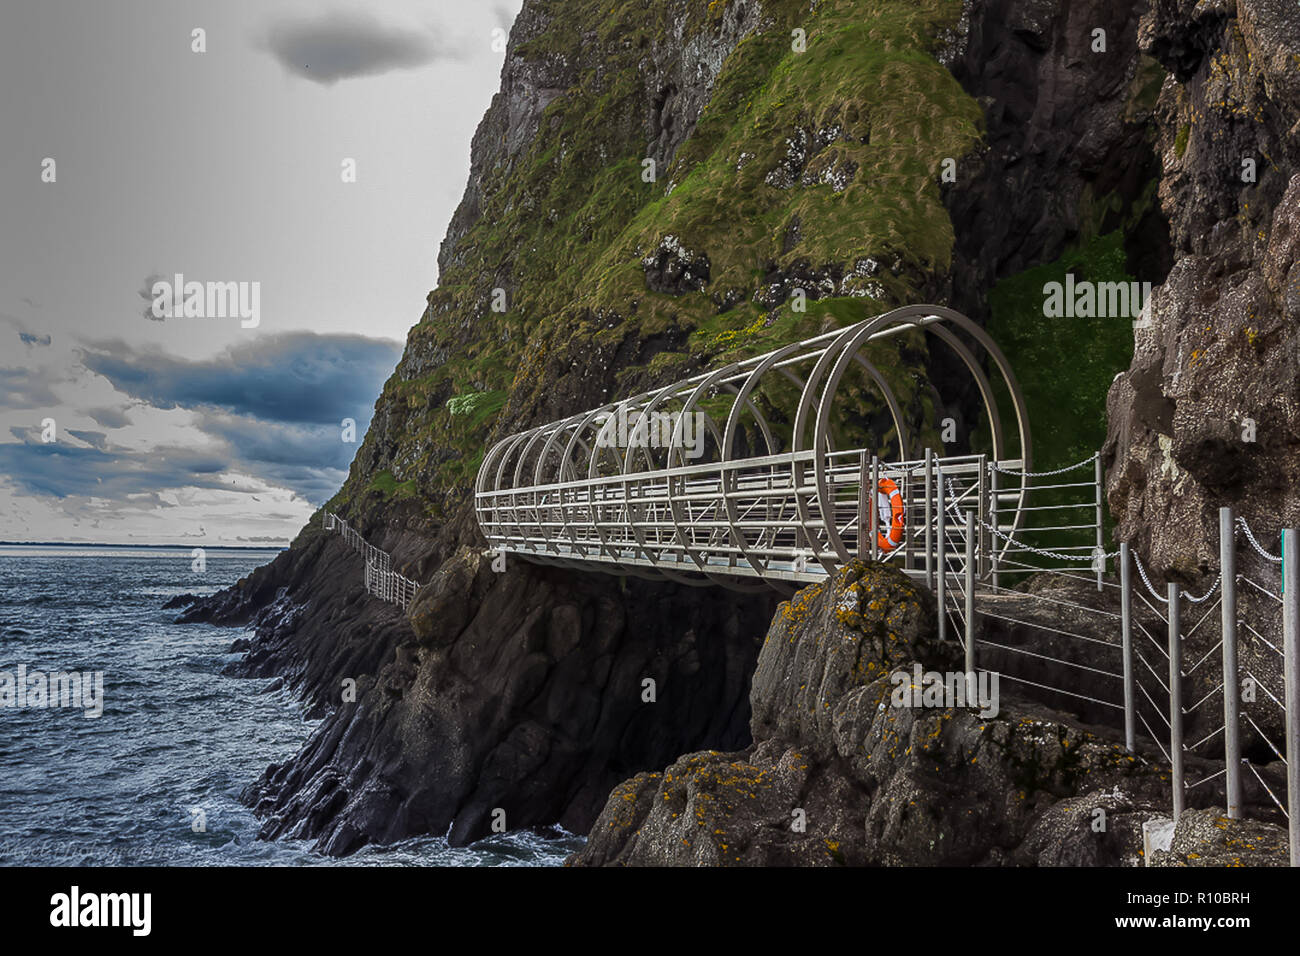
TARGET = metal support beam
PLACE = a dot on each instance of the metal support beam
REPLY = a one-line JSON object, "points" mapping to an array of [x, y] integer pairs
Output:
{"points": [[942, 510], [929, 518], [1176, 703], [1291, 663], [1101, 548], [1126, 632], [1231, 683], [970, 591], [872, 510]]}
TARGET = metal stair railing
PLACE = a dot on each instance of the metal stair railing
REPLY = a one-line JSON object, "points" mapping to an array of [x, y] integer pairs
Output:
{"points": [[380, 578]]}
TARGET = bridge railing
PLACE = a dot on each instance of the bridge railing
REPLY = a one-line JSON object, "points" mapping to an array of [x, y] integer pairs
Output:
{"points": [[757, 517], [795, 517], [380, 578], [1214, 675], [1238, 697]]}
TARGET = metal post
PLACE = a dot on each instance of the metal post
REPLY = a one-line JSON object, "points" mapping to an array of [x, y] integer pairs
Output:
{"points": [[1126, 632], [1291, 663], [970, 592], [905, 477], [1231, 685], [864, 501], [1176, 701], [993, 519], [1101, 550], [929, 518], [872, 509], [942, 583], [981, 504]]}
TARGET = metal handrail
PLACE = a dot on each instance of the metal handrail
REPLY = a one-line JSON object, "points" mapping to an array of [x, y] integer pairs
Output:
{"points": [[380, 578]]}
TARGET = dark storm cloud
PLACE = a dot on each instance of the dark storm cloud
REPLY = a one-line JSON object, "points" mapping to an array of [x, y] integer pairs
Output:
{"points": [[280, 443], [61, 470], [275, 405], [94, 439], [309, 459], [293, 377], [343, 44]]}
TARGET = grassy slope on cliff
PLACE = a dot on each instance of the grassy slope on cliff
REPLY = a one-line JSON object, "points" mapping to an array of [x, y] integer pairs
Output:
{"points": [[565, 226]]}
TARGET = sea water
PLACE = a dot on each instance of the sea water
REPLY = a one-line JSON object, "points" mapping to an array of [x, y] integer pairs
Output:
{"points": [[154, 780]]}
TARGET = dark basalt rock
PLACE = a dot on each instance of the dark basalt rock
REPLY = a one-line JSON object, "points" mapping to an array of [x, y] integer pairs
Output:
{"points": [[875, 783], [674, 269], [1065, 127], [522, 691], [1207, 838], [1221, 347]]}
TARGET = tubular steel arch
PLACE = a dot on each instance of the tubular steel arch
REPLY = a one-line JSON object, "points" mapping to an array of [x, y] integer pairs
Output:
{"points": [[659, 486]]}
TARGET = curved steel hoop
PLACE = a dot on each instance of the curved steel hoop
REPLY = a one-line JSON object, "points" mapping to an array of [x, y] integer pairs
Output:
{"points": [[654, 486]]}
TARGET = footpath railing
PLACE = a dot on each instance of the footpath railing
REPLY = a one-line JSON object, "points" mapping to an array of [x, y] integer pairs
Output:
{"points": [[380, 578], [1231, 700], [1257, 684]]}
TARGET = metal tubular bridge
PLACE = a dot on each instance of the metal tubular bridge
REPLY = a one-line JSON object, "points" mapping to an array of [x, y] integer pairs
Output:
{"points": [[765, 469]]}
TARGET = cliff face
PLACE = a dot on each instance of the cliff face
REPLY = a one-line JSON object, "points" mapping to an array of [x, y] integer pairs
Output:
{"points": [[523, 692], [1068, 152], [773, 168], [1209, 413]]}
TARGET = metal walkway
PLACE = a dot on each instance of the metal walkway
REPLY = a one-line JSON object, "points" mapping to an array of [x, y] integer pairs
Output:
{"points": [[738, 473]]}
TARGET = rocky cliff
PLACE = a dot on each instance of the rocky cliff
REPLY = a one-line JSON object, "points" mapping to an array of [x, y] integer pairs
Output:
{"points": [[840, 774], [647, 189], [1209, 413]]}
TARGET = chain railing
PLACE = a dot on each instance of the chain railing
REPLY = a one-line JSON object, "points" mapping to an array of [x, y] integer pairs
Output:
{"points": [[380, 578]]}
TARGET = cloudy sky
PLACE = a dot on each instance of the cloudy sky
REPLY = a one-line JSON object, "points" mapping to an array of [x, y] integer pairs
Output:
{"points": [[225, 166]]}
